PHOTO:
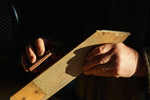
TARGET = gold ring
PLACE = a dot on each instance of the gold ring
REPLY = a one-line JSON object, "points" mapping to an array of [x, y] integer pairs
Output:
{"points": [[105, 68]]}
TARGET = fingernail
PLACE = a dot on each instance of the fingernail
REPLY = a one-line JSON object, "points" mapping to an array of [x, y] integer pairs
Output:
{"points": [[40, 53]]}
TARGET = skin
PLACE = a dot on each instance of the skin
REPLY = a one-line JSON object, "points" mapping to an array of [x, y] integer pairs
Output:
{"points": [[40, 48], [36, 50], [114, 60], [108, 60]]}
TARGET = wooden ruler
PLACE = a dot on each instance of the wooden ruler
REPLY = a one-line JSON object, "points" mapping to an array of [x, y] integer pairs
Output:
{"points": [[67, 68]]}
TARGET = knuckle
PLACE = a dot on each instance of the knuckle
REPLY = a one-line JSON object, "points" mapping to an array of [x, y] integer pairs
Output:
{"points": [[105, 48], [102, 48]]}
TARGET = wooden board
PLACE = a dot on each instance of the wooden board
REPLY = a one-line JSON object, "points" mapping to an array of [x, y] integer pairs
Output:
{"points": [[66, 69]]}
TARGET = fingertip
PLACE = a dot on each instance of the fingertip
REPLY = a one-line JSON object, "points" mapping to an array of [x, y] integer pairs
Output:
{"points": [[32, 59], [105, 48], [40, 52]]}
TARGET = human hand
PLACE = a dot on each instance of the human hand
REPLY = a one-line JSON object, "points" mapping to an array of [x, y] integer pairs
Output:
{"points": [[36, 50], [113, 60]]}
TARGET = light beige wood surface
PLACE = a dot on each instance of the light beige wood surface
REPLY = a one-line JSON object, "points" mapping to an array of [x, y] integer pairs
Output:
{"points": [[67, 68]]}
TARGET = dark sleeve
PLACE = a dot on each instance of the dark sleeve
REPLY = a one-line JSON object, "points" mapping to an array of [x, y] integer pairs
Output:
{"points": [[146, 52]]}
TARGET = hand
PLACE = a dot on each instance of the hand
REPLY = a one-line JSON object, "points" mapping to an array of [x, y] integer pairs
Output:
{"points": [[36, 50], [113, 60]]}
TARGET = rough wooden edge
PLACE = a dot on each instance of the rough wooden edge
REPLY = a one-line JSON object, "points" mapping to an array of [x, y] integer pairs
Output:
{"points": [[47, 54], [29, 92]]}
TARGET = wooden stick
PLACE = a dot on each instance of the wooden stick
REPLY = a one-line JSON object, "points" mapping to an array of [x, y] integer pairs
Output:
{"points": [[66, 69], [37, 63]]}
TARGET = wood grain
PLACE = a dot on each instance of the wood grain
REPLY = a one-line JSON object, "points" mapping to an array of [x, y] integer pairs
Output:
{"points": [[29, 92], [69, 67]]}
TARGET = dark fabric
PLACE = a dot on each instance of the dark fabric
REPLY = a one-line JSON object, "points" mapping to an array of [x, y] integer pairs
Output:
{"points": [[146, 52], [71, 21], [102, 88]]}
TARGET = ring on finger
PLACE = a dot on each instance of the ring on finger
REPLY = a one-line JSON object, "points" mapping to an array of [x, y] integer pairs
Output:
{"points": [[105, 68]]}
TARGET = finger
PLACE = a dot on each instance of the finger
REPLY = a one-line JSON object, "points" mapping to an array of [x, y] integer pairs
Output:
{"points": [[99, 50], [89, 65], [40, 46], [30, 53], [99, 60], [107, 73], [101, 71]]}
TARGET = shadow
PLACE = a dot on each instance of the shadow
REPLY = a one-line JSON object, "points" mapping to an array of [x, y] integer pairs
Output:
{"points": [[74, 67]]}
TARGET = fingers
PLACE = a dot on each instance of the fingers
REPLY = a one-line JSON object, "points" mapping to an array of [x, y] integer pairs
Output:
{"points": [[99, 51], [99, 60], [35, 52], [102, 70], [30, 53], [100, 55], [40, 46]]}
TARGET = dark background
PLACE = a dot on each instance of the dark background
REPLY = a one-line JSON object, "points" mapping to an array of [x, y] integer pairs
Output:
{"points": [[33, 23]]}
